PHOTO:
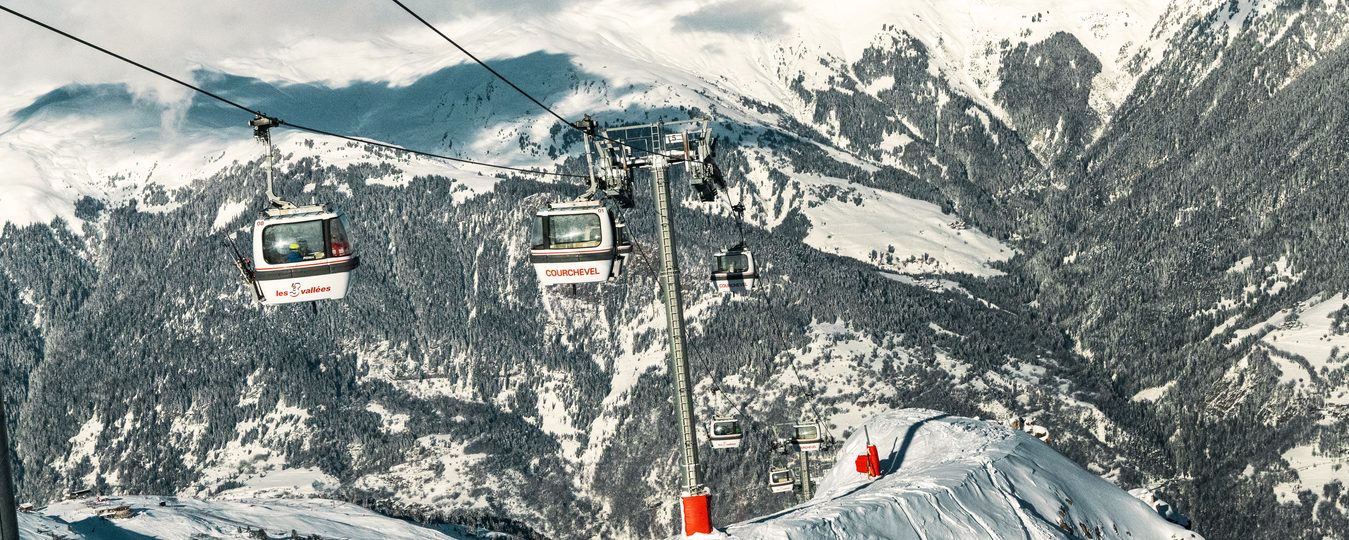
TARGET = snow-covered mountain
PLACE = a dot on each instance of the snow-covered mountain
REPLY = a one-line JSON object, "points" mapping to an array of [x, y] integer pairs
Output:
{"points": [[170, 518], [951, 477], [943, 476], [709, 56], [961, 206]]}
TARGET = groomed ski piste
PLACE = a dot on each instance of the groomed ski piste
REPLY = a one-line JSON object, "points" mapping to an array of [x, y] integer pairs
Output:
{"points": [[949, 477]]}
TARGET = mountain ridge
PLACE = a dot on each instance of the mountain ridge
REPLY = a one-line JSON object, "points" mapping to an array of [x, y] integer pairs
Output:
{"points": [[1017, 305]]}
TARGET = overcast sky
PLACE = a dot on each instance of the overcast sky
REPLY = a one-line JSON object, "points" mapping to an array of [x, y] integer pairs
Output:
{"points": [[332, 41]]}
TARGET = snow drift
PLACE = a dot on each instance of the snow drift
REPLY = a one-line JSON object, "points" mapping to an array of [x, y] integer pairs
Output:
{"points": [[199, 518], [953, 477]]}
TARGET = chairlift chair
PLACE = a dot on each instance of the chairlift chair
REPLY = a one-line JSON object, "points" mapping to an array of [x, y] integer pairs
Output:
{"points": [[781, 480], [302, 254], [577, 242], [725, 432]]}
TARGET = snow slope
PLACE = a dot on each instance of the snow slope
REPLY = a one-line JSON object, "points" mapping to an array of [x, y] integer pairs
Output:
{"points": [[198, 518], [683, 53], [741, 48], [955, 477]]}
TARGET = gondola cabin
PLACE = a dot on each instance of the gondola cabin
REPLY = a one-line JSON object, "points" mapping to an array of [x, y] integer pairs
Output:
{"points": [[781, 480], [733, 270], [577, 242], [807, 436], [725, 432], [301, 255]]}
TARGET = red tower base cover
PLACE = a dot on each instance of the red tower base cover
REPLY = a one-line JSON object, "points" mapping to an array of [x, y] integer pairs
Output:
{"points": [[697, 517], [873, 461]]}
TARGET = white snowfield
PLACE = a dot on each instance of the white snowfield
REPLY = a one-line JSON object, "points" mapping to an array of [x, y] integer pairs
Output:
{"points": [[668, 57], [951, 477], [185, 519]]}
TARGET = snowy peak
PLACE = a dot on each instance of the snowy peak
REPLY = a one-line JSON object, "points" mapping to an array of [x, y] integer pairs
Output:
{"points": [[954, 477]]}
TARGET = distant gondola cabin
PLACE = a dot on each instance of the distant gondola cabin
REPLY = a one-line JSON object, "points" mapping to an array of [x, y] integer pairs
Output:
{"points": [[807, 436], [725, 433], [781, 480], [734, 270]]}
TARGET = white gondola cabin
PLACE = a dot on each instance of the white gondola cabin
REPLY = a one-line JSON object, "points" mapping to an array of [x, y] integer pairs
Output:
{"points": [[301, 255], [807, 436], [781, 480], [733, 270], [577, 242], [725, 432]]}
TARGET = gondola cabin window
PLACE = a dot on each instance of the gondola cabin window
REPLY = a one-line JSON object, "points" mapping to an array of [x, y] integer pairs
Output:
{"points": [[305, 241], [725, 428], [568, 231], [807, 433], [338, 243], [732, 263]]}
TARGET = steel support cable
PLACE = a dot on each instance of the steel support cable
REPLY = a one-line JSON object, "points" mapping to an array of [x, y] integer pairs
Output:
{"points": [[706, 365], [427, 154], [514, 86], [255, 112], [480, 62], [72, 37], [819, 420]]}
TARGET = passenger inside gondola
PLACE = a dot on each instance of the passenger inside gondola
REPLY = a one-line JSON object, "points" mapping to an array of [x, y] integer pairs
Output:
{"points": [[294, 242], [337, 239]]}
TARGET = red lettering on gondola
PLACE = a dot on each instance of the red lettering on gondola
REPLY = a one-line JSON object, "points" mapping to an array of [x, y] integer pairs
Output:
{"points": [[571, 272], [295, 290]]}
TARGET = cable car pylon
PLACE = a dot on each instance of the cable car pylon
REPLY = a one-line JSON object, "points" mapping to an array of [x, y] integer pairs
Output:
{"points": [[663, 143]]}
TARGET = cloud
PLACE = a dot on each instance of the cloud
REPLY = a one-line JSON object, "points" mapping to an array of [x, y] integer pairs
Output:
{"points": [[332, 41], [737, 17]]}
